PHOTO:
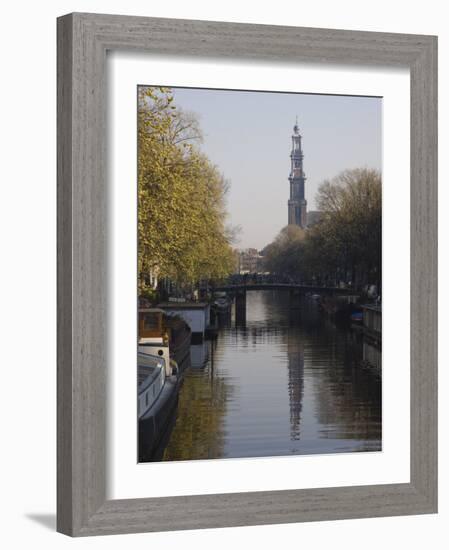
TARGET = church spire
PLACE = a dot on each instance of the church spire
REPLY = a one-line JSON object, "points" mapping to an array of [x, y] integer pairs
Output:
{"points": [[296, 127], [297, 205]]}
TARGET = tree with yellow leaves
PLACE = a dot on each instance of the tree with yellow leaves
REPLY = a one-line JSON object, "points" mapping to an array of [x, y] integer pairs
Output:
{"points": [[182, 230]]}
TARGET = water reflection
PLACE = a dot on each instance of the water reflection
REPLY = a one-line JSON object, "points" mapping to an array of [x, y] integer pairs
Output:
{"points": [[295, 366], [200, 355], [277, 381]]}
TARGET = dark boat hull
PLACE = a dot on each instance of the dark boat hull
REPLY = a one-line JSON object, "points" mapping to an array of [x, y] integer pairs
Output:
{"points": [[154, 423], [180, 348]]}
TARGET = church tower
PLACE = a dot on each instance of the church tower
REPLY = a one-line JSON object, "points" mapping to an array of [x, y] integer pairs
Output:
{"points": [[297, 205]]}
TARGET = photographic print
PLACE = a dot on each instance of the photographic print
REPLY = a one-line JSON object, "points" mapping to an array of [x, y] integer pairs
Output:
{"points": [[259, 300]]}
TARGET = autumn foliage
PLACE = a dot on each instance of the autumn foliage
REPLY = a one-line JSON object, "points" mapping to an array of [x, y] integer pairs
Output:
{"points": [[346, 244], [182, 231]]}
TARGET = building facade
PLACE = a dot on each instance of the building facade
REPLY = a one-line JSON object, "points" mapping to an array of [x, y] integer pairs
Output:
{"points": [[250, 261], [297, 204]]}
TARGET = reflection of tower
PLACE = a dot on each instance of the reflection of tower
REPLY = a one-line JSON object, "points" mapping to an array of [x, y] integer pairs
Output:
{"points": [[297, 205], [295, 354]]}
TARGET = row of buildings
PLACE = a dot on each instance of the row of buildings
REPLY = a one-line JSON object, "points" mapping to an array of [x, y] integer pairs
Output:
{"points": [[249, 261]]}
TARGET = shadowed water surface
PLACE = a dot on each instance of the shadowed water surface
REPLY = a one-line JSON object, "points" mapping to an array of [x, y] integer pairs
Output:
{"points": [[283, 382]]}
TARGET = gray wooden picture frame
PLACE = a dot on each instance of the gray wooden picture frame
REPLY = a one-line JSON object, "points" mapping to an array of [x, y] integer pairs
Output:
{"points": [[83, 40]]}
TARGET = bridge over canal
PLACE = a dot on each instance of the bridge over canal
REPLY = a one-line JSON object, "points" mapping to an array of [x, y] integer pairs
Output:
{"points": [[297, 292], [296, 288]]}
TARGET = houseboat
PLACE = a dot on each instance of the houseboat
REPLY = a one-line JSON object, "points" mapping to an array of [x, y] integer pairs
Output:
{"points": [[195, 314], [157, 396], [369, 324], [222, 302], [163, 346], [164, 335]]}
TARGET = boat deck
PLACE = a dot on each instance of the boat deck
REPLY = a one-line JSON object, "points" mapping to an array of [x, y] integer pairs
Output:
{"points": [[148, 369], [143, 372]]}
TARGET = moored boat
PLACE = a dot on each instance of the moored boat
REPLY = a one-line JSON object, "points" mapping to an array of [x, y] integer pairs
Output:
{"points": [[165, 335], [157, 395], [222, 304], [357, 317], [151, 379], [164, 343]]}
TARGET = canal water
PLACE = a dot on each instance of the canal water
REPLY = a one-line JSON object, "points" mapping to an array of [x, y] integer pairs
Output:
{"points": [[283, 381]]}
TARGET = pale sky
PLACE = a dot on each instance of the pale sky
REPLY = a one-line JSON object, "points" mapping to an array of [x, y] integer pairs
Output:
{"points": [[248, 136]]}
